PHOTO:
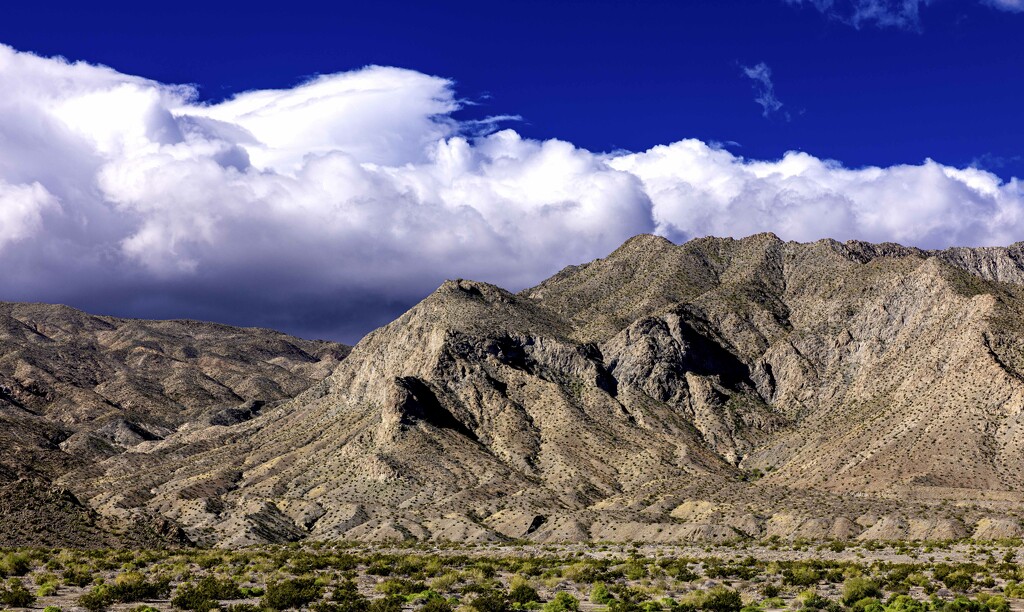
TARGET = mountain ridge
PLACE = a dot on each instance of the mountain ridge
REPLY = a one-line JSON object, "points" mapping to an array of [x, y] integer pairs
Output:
{"points": [[639, 397], [718, 389]]}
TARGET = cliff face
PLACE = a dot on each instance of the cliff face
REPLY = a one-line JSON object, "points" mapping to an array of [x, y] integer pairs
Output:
{"points": [[716, 389]]}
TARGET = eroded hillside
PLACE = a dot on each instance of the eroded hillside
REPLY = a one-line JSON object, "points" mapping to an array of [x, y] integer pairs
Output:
{"points": [[716, 389]]}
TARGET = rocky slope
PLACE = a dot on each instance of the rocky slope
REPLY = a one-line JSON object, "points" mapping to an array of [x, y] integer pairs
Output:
{"points": [[716, 389], [77, 388]]}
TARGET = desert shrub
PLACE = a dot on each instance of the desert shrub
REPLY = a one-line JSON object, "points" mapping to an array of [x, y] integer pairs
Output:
{"points": [[904, 603], [209, 561], [858, 588], [730, 570], [583, 573], [868, 604], [1014, 589], [52, 609], [772, 603], [523, 594], [962, 604], [243, 607], [491, 601], [994, 603], [445, 581], [959, 580], [811, 600], [133, 586], [801, 575], [347, 598], [769, 590], [47, 589], [14, 564], [400, 586], [436, 604], [126, 588], [635, 570], [681, 606], [681, 571], [144, 608], [720, 599], [206, 594], [386, 604], [627, 600], [562, 602], [294, 593], [13, 593], [600, 594], [835, 575], [95, 599]]}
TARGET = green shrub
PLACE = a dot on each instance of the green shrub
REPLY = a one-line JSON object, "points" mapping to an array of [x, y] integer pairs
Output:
{"points": [[133, 586], [492, 601], [600, 594], [962, 604], [681, 571], [769, 590], [627, 599], [206, 594], [95, 600], [868, 604], [562, 602], [801, 576], [386, 604], [288, 594], [46, 589], [959, 580], [904, 603], [77, 576], [811, 600], [51, 609], [125, 588], [14, 564], [347, 598], [720, 599], [14, 594], [523, 594], [995, 603], [858, 588], [445, 581], [400, 586], [436, 604]]}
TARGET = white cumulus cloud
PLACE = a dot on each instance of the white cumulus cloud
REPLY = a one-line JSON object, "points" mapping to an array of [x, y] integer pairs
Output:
{"points": [[326, 208]]}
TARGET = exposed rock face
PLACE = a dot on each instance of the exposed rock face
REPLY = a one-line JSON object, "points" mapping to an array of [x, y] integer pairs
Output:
{"points": [[712, 390], [77, 388]]}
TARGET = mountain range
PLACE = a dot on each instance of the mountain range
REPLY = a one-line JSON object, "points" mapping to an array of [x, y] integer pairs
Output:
{"points": [[713, 390]]}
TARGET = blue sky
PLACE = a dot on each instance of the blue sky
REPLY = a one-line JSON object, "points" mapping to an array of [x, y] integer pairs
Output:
{"points": [[319, 169], [607, 75]]}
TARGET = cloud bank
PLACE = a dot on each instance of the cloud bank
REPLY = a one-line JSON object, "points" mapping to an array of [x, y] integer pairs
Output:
{"points": [[327, 208]]}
